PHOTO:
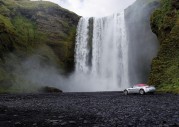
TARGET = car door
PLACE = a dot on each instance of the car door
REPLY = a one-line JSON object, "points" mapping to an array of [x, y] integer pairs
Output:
{"points": [[136, 90], [131, 90]]}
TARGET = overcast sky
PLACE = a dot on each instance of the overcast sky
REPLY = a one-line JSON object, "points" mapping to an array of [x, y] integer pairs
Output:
{"points": [[94, 8]]}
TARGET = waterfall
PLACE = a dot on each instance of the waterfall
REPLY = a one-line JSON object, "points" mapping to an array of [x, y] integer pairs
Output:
{"points": [[109, 61], [82, 51]]}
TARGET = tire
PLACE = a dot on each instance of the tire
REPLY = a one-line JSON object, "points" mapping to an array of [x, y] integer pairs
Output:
{"points": [[125, 92], [141, 92]]}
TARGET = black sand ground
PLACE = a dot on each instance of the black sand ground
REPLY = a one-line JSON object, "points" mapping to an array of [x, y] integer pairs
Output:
{"points": [[105, 109]]}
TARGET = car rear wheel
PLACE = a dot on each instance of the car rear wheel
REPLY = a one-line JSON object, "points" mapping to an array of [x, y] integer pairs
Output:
{"points": [[125, 92], [142, 92]]}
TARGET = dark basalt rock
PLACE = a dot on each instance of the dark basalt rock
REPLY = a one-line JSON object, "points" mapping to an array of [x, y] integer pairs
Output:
{"points": [[48, 89], [103, 109], [175, 4]]}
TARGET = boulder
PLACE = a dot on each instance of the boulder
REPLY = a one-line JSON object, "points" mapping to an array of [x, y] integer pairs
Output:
{"points": [[48, 89]]}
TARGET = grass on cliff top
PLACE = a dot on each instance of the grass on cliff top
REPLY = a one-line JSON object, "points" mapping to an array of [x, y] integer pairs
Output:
{"points": [[150, 1], [36, 4], [146, 2], [28, 4]]}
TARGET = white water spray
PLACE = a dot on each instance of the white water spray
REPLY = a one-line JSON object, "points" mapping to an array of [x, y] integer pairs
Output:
{"points": [[109, 69], [82, 51]]}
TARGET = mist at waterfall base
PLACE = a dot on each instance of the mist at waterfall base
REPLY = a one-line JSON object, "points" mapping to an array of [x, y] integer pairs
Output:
{"points": [[34, 73]]}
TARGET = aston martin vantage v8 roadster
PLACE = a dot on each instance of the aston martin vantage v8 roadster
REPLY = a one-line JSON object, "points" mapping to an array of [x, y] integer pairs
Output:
{"points": [[140, 89]]}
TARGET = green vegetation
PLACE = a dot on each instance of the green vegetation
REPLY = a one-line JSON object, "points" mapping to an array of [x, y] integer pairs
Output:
{"points": [[146, 2], [36, 4], [25, 29], [30, 28], [165, 67]]}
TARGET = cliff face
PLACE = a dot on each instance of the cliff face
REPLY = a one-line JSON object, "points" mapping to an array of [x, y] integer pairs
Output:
{"points": [[143, 43], [165, 67], [36, 28]]}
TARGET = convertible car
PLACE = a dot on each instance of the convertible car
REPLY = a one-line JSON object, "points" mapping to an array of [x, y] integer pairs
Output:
{"points": [[140, 89]]}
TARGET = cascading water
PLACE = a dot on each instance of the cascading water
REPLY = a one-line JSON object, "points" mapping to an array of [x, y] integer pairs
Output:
{"points": [[82, 51], [109, 68]]}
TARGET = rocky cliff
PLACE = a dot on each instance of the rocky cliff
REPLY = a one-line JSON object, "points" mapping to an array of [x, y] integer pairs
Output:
{"points": [[143, 43], [165, 67], [41, 29]]}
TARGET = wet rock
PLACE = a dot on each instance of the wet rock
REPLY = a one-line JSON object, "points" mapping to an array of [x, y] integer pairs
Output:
{"points": [[178, 120], [45, 110], [2, 115], [3, 108], [17, 123], [95, 126], [48, 89], [64, 123], [72, 122], [60, 117], [175, 116], [81, 118], [35, 124], [53, 122], [85, 121]]}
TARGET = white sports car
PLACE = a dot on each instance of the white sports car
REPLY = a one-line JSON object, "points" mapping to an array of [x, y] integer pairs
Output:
{"points": [[140, 88]]}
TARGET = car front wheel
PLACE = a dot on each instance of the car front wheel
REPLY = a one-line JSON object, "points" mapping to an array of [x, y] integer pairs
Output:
{"points": [[142, 92], [125, 92]]}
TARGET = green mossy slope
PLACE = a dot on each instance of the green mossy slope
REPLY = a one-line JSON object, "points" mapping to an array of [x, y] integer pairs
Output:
{"points": [[30, 28], [165, 67]]}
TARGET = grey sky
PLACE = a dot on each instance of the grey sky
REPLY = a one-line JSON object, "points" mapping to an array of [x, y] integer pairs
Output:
{"points": [[95, 8]]}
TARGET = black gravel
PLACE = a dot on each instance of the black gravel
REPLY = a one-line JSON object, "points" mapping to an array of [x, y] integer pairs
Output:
{"points": [[105, 109]]}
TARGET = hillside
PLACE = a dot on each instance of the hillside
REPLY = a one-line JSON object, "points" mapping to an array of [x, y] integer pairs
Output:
{"points": [[165, 67], [143, 43], [40, 29]]}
